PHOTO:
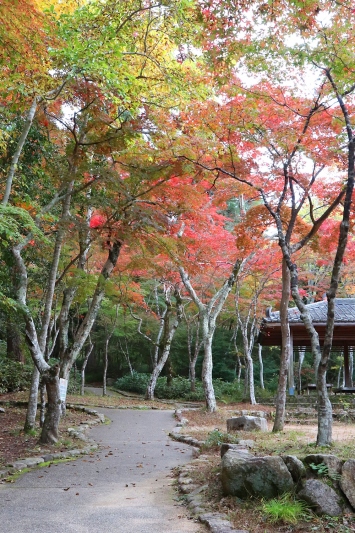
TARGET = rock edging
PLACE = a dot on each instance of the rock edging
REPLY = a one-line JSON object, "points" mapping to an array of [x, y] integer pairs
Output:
{"points": [[216, 522], [78, 433]]}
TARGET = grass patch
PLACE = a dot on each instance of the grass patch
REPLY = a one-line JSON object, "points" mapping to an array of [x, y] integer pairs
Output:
{"points": [[285, 509], [216, 438]]}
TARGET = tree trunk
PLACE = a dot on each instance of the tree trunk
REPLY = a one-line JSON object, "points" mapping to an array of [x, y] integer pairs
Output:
{"points": [[192, 375], [69, 356], [339, 375], [30, 422], [193, 353], [208, 315], [42, 411], [261, 364], [207, 367], [51, 422], [251, 379], [48, 304], [20, 144], [149, 394], [301, 355], [248, 348], [88, 353], [285, 351], [169, 373], [107, 342], [351, 365], [239, 364], [166, 334], [104, 376], [246, 378], [325, 418]]}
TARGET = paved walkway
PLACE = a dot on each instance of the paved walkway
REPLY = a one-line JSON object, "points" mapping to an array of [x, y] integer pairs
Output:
{"points": [[125, 487]]}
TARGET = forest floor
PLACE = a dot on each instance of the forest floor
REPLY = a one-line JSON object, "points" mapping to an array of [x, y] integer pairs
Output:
{"points": [[297, 438]]}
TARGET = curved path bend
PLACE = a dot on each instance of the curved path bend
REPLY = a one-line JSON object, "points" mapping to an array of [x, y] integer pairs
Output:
{"points": [[124, 487]]}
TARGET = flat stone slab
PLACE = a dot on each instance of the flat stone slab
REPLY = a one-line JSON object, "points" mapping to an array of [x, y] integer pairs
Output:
{"points": [[218, 523]]}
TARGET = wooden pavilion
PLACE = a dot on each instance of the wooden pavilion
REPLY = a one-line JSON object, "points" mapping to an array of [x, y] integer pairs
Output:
{"points": [[344, 331]]}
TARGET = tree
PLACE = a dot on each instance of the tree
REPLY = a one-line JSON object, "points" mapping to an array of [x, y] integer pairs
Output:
{"points": [[93, 119], [208, 313], [256, 279], [194, 343], [169, 314], [273, 121]]}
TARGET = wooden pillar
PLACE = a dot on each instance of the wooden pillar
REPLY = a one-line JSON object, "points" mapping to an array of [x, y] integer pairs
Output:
{"points": [[291, 377], [347, 366]]}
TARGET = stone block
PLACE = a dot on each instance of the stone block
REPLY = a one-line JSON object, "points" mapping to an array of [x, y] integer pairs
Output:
{"points": [[246, 423]]}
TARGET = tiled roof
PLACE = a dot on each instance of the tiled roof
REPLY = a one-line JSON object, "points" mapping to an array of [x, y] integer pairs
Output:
{"points": [[344, 312]]}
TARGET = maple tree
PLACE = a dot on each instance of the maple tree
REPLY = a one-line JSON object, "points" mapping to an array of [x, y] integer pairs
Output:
{"points": [[218, 263], [257, 285], [96, 121], [281, 132], [168, 307]]}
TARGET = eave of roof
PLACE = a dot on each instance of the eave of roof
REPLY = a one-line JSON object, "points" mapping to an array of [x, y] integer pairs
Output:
{"points": [[344, 313]]}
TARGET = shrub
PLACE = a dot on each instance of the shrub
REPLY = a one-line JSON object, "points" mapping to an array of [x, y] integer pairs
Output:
{"points": [[228, 390], [264, 394], [216, 438], [74, 384], [180, 388], [133, 383], [14, 376]]}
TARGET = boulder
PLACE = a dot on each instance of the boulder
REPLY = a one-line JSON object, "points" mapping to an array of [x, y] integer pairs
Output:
{"points": [[322, 498], [247, 423], [295, 467], [347, 481], [248, 476]]}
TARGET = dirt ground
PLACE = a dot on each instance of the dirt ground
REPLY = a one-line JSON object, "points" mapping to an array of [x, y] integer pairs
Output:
{"points": [[16, 444]]}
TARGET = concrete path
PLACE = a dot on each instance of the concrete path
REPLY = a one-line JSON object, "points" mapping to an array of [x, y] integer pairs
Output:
{"points": [[125, 487]]}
